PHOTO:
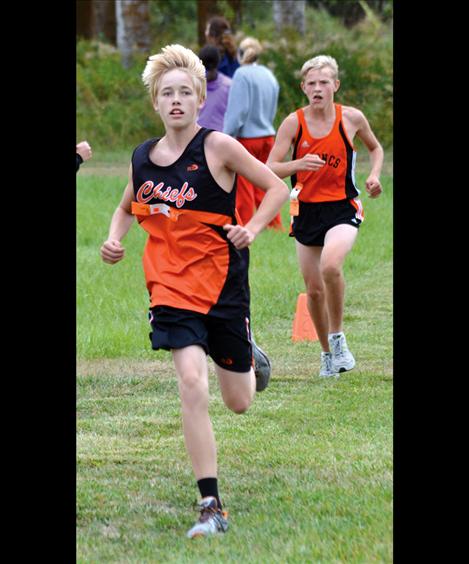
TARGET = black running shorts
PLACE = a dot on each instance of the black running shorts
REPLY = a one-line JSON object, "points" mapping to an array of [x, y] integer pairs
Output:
{"points": [[226, 341], [315, 220]]}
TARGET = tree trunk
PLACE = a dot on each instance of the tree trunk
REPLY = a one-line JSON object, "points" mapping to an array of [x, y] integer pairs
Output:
{"points": [[105, 20], [208, 8], [237, 6], [84, 13], [205, 10], [133, 28], [289, 13]]}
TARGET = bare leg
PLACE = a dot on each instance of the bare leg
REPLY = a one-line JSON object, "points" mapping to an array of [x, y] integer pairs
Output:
{"points": [[309, 259], [192, 371], [237, 388], [337, 244]]}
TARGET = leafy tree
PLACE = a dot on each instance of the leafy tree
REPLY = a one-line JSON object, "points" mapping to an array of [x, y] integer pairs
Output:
{"points": [[353, 11]]}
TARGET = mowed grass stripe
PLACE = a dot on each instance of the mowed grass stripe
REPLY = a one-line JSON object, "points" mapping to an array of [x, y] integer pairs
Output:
{"points": [[309, 453], [306, 473]]}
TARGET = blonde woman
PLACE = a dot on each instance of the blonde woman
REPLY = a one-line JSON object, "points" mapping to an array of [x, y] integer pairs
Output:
{"points": [[252, 105]]}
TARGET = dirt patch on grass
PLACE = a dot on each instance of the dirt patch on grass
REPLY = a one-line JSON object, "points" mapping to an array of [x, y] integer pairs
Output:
{"points": [[165, 369], [128, 367], [125, 367]]}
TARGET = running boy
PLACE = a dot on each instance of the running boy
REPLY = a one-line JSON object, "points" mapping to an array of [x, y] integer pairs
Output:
{"points": [[326, 223], [181, 190]]}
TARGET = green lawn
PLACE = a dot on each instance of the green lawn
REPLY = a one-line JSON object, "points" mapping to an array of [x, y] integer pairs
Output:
{"points": [[306, 473]]}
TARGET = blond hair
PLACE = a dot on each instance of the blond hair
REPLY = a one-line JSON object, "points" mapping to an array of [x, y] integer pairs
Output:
{"points": [[250, 49], [174, 57], [320, 62]]}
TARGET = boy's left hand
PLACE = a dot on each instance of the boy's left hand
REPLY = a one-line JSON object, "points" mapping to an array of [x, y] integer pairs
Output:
{"points": [[373, 186]]}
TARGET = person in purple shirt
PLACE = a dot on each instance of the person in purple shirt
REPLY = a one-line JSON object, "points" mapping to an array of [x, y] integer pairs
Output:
{"points": [[218, 86]]}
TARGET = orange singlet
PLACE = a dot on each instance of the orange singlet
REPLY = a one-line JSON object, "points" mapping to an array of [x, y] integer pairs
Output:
{"points": [[336, 179]]}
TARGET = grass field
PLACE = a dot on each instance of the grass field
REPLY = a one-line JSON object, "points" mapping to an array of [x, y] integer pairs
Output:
{"points": [[306, 473]]}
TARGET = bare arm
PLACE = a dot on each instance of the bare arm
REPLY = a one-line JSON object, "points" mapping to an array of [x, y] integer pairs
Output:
{"points": [[112, 251], [375, 150], [283, 142], [237, 159]]}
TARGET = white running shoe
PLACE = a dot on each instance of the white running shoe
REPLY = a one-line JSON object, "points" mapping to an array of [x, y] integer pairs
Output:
{"points": [[326, 370], [342, 358], [211, 520]]}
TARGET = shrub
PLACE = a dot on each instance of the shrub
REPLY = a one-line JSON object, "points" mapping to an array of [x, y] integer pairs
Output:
{"points": [[114, 110]]}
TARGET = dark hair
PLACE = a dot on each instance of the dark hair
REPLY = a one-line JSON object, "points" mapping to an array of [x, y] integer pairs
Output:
{"points": [[219, 28], [210, 56]]}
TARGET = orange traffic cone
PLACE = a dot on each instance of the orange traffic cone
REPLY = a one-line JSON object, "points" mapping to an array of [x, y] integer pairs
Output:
{"points": [[303, 326]]}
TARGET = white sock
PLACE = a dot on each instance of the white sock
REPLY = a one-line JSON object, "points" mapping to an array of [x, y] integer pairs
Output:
{"points": [[335, 335]]}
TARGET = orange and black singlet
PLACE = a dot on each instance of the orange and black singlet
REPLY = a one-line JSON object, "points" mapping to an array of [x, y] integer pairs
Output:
{"points": [[336, 179], [188, 261]]}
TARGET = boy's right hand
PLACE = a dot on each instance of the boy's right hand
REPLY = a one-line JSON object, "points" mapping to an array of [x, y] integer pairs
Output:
{"points": [[239, 235], [310, 162], [112, 251]]}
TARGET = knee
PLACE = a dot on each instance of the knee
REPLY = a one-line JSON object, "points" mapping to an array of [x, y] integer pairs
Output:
{"points": [[239, 405], [315, 292], [331, 273], [193, 387]]}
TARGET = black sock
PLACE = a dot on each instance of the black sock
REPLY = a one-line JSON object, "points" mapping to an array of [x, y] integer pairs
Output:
{"points": [[209, 487]]}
